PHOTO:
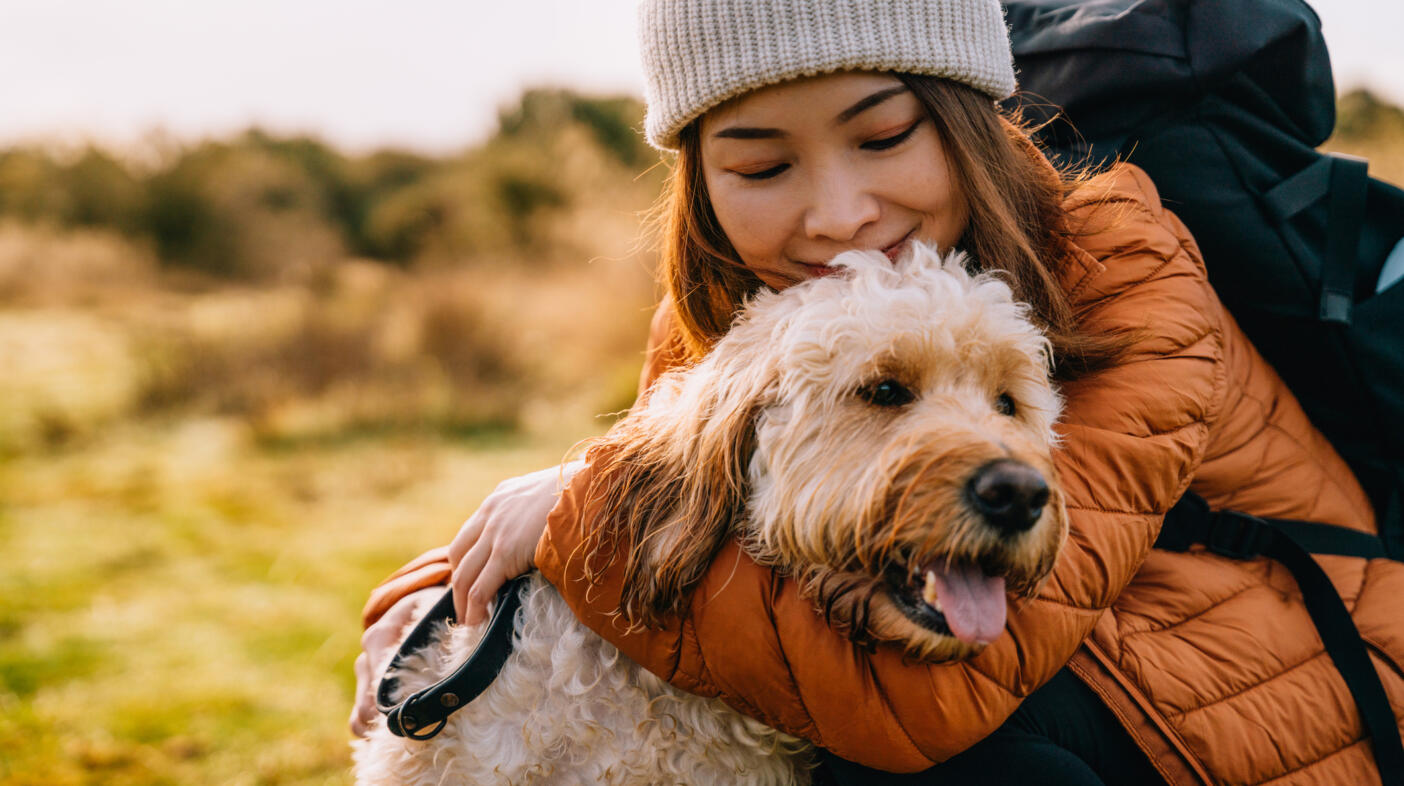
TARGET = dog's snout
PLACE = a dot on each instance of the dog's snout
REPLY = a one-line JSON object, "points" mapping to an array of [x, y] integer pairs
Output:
{"points": [[1008, 494]]}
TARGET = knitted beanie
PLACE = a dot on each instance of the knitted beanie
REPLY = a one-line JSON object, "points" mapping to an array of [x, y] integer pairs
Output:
{"points": [[699, 53]]}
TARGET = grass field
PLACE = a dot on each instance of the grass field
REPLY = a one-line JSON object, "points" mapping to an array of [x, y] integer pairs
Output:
{"points": [[179, 605], [205, 465]]}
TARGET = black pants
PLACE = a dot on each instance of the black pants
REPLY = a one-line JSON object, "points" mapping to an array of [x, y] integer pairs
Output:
{"points": [[1062, 735]]}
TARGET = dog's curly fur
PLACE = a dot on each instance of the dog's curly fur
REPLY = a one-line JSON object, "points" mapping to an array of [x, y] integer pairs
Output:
{"points": [[776, 437]]}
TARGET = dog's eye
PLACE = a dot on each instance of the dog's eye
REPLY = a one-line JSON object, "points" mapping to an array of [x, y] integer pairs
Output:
{"points": [[887, 393], [1005, 404]]}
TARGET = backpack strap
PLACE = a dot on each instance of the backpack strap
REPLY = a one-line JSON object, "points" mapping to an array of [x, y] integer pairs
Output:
{"points": [[1229, 533], [1392, 524], [1344, 181], [1241, 536], [1345, 217]]}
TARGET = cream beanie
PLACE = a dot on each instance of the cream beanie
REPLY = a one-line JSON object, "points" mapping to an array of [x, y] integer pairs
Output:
{"points": [[699, 53]]}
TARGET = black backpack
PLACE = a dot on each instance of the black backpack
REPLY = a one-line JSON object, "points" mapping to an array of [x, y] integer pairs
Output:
{"points": [[1223, 104]]}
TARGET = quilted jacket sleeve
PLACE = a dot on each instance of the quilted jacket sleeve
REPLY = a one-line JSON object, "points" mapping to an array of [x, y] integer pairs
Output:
{"points": [[1133, 433]]}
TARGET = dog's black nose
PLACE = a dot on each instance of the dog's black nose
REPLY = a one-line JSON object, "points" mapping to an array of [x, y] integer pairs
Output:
{"points": [[1009, 494]]}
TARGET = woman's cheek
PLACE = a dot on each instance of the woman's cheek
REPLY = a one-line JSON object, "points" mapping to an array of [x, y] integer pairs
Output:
{"points": [[941, 206], [753, 219]]}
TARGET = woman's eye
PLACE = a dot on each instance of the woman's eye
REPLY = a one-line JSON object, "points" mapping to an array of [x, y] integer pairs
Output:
{"points": [[765, 174], [1005, 404], [887, 393], [891, 141]]}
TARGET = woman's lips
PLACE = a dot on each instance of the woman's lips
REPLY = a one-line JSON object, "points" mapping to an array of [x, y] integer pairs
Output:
{"points": [[891, 252], [895, 250], [819, 270]]}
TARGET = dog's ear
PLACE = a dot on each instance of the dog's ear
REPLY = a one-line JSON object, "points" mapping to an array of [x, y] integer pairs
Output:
{"points": [[670, 484]]}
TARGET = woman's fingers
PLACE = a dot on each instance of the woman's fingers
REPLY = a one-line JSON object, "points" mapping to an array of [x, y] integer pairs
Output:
{"points": [[467, 535], [465, 575], [494, 574]]}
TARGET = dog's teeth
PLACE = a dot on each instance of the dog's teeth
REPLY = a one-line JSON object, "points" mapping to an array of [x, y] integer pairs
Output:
{"points": [[928, 592]]}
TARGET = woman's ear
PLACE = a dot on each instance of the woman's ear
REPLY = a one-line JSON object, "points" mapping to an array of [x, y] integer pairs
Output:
{"points": [[670, 484]]}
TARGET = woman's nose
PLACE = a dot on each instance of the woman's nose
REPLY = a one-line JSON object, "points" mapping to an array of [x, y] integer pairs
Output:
{"points": [[840, 207]]}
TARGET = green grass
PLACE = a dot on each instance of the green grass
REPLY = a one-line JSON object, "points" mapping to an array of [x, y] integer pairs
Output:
{"points": [[179, 603]]}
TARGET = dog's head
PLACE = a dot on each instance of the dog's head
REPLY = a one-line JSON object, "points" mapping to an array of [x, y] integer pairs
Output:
{"points": [[884, 435]]}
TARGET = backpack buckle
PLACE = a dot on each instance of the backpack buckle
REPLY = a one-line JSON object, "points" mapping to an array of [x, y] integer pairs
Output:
{"points": [[1237, 535]]}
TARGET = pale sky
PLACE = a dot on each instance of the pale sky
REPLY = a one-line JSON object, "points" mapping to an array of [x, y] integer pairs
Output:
{"points": [[427, 74]]}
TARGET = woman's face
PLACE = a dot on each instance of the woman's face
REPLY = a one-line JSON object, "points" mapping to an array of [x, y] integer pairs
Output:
{"points": [[802, 171]]}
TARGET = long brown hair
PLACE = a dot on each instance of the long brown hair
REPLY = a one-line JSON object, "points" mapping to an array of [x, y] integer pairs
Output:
{"points": [[1016, 224]]}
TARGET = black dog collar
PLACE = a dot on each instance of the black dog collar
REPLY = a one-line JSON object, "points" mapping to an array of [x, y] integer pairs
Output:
{"points": [[423, 714]]}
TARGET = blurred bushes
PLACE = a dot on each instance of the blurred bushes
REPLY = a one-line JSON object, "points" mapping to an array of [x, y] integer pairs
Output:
{"points": [[251, 208], [614, 122], [256, 206], [1361, 114], [368, 347], [1372, 128], [306, 292], [94, 190]]}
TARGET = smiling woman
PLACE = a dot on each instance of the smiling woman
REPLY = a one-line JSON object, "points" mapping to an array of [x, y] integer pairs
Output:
{"points": [[770, 185]]}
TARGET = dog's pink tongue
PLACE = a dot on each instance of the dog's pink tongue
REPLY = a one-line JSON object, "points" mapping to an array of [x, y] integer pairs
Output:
{"points": [[972, 602]]}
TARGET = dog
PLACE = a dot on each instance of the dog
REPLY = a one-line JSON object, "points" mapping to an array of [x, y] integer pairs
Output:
{"points": [[882, 435]]}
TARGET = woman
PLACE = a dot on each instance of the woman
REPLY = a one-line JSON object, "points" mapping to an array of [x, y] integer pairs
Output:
{"points": [[806, 128]]}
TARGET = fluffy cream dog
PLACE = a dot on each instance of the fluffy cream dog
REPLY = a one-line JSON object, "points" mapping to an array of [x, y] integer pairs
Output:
{"points": [[883, 435]]}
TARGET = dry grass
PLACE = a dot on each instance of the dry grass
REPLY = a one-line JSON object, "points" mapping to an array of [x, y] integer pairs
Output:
{"points": [[41, 265], [359, 346], [1386, 155]]}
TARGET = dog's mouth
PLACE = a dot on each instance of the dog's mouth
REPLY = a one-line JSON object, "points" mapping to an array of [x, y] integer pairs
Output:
{"points": [[959, 599]]}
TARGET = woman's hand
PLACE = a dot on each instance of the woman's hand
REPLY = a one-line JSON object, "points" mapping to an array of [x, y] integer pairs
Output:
{"points": [[378, 646], [497, 542]]}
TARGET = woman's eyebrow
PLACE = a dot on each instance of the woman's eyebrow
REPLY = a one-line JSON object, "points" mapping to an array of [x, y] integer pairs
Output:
{"points": [[868, 103], [741, 132], [863, 104]]}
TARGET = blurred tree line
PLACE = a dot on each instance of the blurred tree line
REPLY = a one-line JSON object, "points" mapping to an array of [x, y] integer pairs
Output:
{"points": [[250, 206], [1363, 116]]}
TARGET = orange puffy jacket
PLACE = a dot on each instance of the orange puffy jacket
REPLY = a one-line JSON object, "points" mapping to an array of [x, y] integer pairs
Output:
{"points": [[1212, 664]]}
